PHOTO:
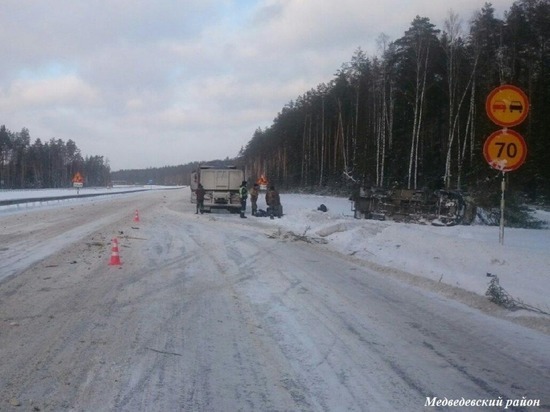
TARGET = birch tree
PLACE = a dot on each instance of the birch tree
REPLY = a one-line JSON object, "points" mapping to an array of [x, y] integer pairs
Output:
{"points": [[415, 48]]}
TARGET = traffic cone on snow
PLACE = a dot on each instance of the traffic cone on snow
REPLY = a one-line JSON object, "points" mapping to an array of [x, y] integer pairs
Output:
{"points": [[136, 216], [115, 257]]}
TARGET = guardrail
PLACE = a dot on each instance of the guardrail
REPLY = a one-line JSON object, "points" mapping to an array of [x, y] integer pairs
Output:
{"points": [[65, 197]]}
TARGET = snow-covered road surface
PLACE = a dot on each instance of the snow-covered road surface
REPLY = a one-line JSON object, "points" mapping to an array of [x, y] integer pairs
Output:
{"points": [[217, 313]]}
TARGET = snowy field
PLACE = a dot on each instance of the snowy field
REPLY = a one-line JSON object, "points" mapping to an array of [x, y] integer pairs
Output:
{"points": [[459, 256]]}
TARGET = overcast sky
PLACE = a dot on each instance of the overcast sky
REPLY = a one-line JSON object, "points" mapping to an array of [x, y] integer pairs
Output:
{"points": [[166, 82]]}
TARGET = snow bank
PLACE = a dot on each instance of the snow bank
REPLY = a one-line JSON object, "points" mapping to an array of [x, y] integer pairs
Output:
{"points": [[459, 256]]}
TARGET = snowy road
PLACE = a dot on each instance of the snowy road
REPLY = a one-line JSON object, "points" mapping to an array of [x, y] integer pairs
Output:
{"points": [[216, 313]]}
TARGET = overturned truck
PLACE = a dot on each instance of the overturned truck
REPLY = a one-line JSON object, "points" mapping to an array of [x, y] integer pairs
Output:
{"points": [[440, 207]]}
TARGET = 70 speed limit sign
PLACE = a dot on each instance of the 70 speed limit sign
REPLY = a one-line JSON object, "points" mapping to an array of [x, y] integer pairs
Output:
{"points": [[505, 150]]}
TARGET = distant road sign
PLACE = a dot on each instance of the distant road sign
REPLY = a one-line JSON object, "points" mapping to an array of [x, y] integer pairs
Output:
{"points": [[77, 178], [262, 181], [505, 150], [507, 105]]}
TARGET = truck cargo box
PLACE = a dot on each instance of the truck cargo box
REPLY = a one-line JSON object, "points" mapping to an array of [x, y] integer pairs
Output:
{"points": [[221, 185]]}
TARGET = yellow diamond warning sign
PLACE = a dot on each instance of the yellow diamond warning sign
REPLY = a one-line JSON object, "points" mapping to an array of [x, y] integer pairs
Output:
{"points": [[507, 105]]}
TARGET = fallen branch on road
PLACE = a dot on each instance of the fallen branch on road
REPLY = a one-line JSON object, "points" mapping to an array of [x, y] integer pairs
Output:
{"points": [[133, 237], [296, 237], [164, 352], [497, 294]]}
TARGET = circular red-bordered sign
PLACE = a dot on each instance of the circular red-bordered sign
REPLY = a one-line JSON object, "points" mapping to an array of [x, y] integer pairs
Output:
{"points": [[505, 150], [507, 105]]}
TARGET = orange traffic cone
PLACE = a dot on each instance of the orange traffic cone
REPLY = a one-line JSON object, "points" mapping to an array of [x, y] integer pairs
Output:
{"points": [[136, 216], [115, 257]]}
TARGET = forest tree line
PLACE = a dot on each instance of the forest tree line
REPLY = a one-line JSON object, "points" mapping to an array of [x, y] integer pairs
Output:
{"points": [[415, 116], [27, 164], [52, 164], [168, 175]]}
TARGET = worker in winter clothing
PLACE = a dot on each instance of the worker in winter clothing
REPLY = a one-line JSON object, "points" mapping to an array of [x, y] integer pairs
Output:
{"points": [[200, 192], [273, 201], [254, 192], [243, 193]]}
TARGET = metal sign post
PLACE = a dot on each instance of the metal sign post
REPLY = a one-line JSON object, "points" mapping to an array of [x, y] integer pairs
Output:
{"points": [[502, 188], [505, 150], [78, 182]]}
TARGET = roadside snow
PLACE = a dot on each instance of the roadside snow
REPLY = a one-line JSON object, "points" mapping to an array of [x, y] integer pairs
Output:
{"points": [[38, 193], [70, 196], [459, 256]]}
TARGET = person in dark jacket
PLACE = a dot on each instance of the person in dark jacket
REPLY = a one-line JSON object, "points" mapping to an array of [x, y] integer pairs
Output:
{"points": [[243, 193], [273, 201], [200, 192], [254, 192]]}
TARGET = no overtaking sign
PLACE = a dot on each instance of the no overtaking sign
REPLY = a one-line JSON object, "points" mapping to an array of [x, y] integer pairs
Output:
{"points": [[505, 150]]}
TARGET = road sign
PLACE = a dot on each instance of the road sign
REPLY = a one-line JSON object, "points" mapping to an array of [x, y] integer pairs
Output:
{"points": [[262, 181], [77, 178], [505, 150], [507, 105]]}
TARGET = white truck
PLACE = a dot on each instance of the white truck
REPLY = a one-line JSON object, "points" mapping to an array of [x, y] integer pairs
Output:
{"points": [[221, 185]]}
